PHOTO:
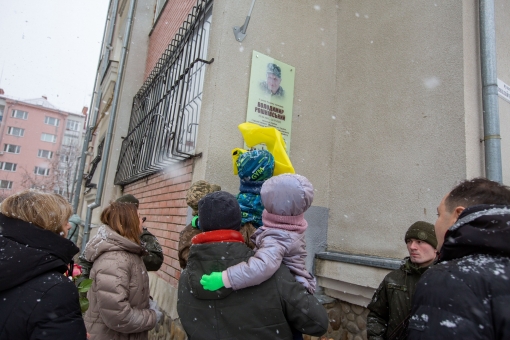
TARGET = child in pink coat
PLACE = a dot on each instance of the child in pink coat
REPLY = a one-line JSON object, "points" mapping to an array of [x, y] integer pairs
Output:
{"points": [[281, 238]]}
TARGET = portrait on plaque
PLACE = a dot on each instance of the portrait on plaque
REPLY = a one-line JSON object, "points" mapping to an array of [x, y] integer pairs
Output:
{"points": [[271, 94]]}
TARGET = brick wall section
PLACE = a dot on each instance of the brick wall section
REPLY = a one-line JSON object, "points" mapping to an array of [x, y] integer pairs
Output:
{"points": [[171, 19], [163, 201]]}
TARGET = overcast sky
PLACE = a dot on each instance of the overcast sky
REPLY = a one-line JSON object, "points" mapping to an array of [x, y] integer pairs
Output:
{"points": [[51, 48]]}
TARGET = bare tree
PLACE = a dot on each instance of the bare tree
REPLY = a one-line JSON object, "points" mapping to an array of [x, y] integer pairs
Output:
{"points": [[68, 159], [43, 182], [58, 177]]}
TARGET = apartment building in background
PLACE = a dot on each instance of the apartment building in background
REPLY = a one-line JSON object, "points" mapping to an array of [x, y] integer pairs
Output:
{"points": [[39, 146], [387, 116]]}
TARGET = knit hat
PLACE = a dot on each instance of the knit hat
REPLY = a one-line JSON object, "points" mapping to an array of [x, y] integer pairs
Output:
{"points": [[219, 210], [255, 165], [422, 231], [128, 198], [198, 190], [287, 195]]}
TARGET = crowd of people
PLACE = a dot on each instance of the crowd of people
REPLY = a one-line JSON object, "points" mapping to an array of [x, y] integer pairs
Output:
{"points": [[243, 266]]}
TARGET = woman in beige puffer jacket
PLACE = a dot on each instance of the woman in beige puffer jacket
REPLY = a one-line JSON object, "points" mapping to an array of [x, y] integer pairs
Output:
{"points": [[119, 296]]}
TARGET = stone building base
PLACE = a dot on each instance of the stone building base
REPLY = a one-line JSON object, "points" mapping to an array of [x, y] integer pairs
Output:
{"points": [[346, 321]]}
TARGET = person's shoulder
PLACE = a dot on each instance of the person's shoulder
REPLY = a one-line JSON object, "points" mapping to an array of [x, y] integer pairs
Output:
{"points": [[279, 236], [51, 280], [274, 232], [479, 265], [189, 232], [394, 276], [118, 256]]}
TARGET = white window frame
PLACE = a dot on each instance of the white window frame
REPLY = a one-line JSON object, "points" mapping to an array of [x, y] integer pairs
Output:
{"points": [[45, 171], [43, 137], [41, 153], [11, 129], [51, 121], [73, 125], [15, 113], [70, 140], [4, 184], [3, 166], [16, 147], [59, 191]]}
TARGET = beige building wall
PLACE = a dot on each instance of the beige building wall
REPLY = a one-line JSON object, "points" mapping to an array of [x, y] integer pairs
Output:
{"points": [[401, 139]]}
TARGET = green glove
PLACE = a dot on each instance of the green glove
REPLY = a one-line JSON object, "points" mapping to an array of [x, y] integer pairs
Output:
{"points": [[212, 282]]}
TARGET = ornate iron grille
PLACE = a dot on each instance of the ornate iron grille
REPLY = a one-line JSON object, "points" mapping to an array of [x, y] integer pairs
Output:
{"points": [[166, 110]]}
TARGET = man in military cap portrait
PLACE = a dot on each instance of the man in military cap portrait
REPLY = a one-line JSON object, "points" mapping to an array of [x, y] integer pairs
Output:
{"points": [[273, 79], [391, 304]]}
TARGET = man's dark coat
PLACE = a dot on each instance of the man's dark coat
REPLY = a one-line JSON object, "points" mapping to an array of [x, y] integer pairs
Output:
{"points": [[467, 294], [266, 311]]}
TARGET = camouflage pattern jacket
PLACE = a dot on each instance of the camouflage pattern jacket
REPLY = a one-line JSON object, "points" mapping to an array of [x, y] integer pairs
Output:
{"points": [[391, 303], [152, 260]]}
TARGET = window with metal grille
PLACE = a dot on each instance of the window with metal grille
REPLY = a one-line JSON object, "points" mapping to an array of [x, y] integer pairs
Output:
{"points": [[14, 131], [166, 110], [19, 114]]}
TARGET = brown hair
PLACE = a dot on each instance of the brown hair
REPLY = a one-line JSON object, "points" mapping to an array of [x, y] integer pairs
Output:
{"points": [[477, 191], [123, 218], [46, 210]]}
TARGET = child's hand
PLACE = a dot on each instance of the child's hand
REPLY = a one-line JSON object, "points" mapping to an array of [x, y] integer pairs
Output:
{"points": [[212, 282]]}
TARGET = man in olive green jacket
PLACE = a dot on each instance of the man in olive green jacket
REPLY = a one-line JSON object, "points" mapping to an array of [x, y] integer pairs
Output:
{"points": [[391, 304]]}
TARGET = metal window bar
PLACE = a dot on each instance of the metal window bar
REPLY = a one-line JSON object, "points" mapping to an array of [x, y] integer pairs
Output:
{"points": [[166, 110]]}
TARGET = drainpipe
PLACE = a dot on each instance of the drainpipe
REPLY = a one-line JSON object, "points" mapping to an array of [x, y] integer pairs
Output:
{"points": [[94, 112], [491, 134], [75, 180], [111, 123]]}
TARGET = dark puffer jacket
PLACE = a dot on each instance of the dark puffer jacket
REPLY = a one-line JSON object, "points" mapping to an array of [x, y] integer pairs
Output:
{"points": [[467, 294], [36, 300], [392, 301], [265, 311]]}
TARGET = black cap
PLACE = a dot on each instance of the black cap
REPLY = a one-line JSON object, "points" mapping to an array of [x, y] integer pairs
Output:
{"points": [[128, 198], [219, 210]]}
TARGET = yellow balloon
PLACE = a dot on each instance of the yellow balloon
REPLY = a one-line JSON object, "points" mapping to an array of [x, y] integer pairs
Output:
{"points": [[255, 134]]}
